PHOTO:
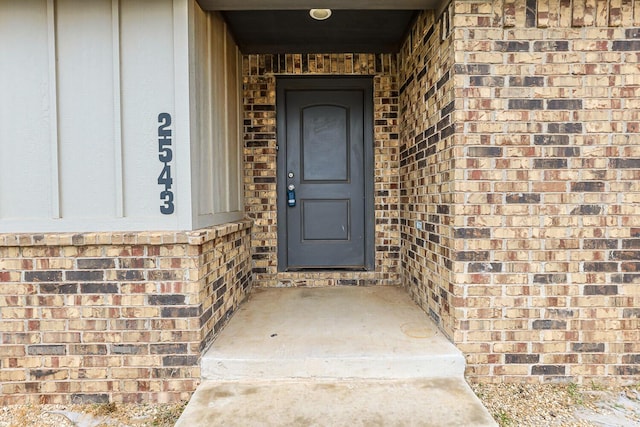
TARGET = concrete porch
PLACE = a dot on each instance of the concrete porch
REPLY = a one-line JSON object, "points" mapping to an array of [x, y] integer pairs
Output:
{"points": [[333, 356]]}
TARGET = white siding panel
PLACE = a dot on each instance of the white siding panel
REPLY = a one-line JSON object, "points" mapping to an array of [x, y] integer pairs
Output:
{"points": [[147, 80], [203, 129], [210, 128], [25, 144], [233, 127], [86, 110], [82, 85], [216, 129], [219, 114]]}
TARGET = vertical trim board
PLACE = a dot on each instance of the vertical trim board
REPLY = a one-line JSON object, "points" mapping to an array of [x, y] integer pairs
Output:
{"points": [[183, 42], [208, 146], [225, 61], [117, 109], [240, 132], [53, 110]]}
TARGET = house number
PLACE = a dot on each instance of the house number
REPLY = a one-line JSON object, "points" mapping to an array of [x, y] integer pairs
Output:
{"points": [[165, 154]]}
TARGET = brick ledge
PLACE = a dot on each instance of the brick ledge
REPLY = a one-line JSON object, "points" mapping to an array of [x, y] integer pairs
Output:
{"points": [[195, 237]]}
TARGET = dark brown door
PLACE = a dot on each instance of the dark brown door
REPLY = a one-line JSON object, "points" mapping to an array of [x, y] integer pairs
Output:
{"points": [[324, 158]]}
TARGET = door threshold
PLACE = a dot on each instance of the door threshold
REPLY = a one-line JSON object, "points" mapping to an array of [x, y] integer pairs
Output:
{"points": [[324, 270]]}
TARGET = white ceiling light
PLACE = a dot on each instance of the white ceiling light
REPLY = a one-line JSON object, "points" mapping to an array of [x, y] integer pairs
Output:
{"points": [[320, 14]]}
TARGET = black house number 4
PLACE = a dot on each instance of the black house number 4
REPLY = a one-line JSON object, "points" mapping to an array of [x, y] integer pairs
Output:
{"points": [[165, 155]]}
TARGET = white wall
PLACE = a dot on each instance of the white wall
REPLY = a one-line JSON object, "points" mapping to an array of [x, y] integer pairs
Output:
{"points": [[27, 128], [86, 108], [147, 87], [83, 83]]}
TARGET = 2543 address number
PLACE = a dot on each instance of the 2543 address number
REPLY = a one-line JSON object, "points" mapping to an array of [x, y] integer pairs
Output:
{"points": [[165, 155]]}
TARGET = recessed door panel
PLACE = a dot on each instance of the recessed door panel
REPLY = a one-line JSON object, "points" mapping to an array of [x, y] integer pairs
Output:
{"points": [[325, 219], [325, 143]]}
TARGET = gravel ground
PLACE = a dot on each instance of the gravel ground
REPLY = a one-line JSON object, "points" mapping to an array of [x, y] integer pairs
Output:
{"points": [[561, 405], [96, 415], [510, 404]]}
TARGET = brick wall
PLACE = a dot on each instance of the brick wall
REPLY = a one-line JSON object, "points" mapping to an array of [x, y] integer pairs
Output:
{"points": [[260, 73], [427, 166], [507, 166], [100, 317], [544, 189]]}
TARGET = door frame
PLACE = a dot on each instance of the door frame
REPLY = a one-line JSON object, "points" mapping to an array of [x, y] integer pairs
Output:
{"points": [[364, 84]]}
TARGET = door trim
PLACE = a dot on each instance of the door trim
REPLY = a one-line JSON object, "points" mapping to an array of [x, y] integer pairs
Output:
{"points": [[364, 84]]}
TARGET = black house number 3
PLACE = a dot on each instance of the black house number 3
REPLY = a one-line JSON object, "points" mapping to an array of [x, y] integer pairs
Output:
{"points": [[165, 155]]}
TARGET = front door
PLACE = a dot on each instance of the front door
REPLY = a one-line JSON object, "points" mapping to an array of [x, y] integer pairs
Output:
{"points": [[325, 179]]}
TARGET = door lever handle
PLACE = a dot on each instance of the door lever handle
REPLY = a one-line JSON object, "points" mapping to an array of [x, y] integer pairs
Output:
{"points": [[291, 195]]}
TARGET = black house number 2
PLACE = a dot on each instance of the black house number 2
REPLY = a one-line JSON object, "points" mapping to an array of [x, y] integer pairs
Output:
{"points": [[165, 155]]}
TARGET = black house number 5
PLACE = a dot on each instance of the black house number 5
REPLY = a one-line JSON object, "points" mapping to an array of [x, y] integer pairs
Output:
{"points": [[165, 155]]}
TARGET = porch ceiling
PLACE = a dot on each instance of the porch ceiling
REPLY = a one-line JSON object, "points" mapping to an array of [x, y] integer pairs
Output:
{"points": [[317, 4], [284, 26]]}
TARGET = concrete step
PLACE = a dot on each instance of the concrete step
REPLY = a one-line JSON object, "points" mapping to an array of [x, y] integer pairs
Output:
{"points": [[336, 403], [343, 332], [343, 356]]}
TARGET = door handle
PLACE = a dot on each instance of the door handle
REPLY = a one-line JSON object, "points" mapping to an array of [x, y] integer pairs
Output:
{"points": [[291, 195]]}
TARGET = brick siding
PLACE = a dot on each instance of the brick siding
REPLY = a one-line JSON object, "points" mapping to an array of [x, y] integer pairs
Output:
{"points": [[100, 317], [260, 73], [427, 167], [542, 185]]}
